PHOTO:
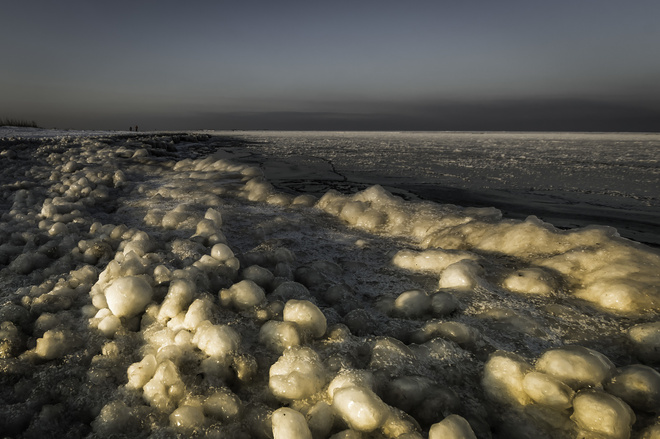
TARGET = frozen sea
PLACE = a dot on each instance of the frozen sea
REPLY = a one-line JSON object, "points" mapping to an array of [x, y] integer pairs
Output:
{"points": [[343, 285]]}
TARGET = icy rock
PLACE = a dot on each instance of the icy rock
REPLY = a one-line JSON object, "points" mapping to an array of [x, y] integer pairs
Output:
{"points": [[463, 275], [243, 295], [297, 374], [503, 378], [548, 391], [128, 296], [646, 341], [140, 373], [413, 303], [408, 391], [530, 281], [215, 216], [115, 418], [390, 356], [637, 385], [360, 408], [602, 413], [187, 417], [223, 405], [52, 345], [179, 296], [307, 316], [452, 427], [576, 366], [278, 336], [290, 290], [216, 340], [289, 424]]}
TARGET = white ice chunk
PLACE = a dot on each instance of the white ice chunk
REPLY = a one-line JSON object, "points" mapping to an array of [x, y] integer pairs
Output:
{"points": [[278, 336], [215, 216], [109, 325], [308, 316], [602, 413], [638, 385], [223, 405], [221, 252], [546, 390], [243, 295], [52, 345], [187, 417], [433, 261], [360, 408], [198, 312], [576, 366], [179, 296], [503, 378], [351, 378], [289, 424], [452, 427], [140, 373], [128, 296], [216, 340], [297, 374], [259, 275]]}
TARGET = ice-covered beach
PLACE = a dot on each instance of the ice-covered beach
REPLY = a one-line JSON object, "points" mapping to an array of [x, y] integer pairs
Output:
{"points": [[214, 284]]}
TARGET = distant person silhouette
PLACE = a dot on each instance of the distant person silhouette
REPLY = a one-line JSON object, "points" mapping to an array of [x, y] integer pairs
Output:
{"points": [[130, 128], [136, 127]]}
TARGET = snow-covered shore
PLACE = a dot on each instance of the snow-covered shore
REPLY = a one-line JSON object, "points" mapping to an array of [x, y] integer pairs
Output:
{"points": [[151, 288]]}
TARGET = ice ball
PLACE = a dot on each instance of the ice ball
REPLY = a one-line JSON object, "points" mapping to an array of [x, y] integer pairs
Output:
{"points": [[602, 413], [223, 405], [530, 281], [187, 417], [297, 374], [289, 424], [576, 366], [128, 296], [463, 275], [52, 345], [646, 341], [548, 391], [503, 378], [279, 336], [360, 408], [308, 316], [216, 340], [637, 385], [243, 295], [413, 303], [452, 427]]}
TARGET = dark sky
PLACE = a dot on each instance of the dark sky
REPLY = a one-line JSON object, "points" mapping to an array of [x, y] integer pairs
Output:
{"points": [[591, 65]]}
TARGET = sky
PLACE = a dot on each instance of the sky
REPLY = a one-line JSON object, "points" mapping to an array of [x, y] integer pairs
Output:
{"points": [[566, 65]]}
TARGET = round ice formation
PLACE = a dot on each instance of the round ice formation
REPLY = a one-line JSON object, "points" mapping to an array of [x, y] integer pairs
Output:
{"points": [[216, 340], [259, 275], [637, 385], [52, 345], [128, 296], [413, 303], [604, 414], [198, 312], [187, 417], [243, 295], [223, 405], [289, 424], [222, 252], [530, 281], [503, 378], [576, 366], [297, 374], [646, 340], [360, 408], [443, 304], [463, 275], [165, 388], [115, 418], [279, 336], [546, 390], [308, 316], [452, 427], [320, 419], [350, 378]]}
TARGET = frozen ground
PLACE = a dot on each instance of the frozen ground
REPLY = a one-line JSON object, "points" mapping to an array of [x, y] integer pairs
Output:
{"points": [[150, 287]]}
